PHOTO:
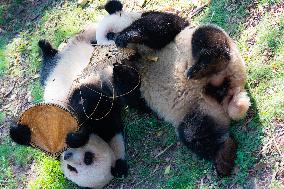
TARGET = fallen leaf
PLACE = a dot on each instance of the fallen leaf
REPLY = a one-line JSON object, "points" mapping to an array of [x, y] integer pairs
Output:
{"points": [[167, 170]]}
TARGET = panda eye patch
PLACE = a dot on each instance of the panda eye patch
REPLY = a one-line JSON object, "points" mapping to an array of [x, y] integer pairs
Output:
{"points": [[88, 158]]}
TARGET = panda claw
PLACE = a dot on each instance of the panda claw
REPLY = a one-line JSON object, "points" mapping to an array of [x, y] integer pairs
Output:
{"points": [[120, 169], [20, 134]]}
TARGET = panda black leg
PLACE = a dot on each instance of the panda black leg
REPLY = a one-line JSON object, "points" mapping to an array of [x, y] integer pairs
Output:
{"points": [[47, 48], [120, 168], [77, 139], [122, 39], [205, 137], [210, 49], [20, 134]]}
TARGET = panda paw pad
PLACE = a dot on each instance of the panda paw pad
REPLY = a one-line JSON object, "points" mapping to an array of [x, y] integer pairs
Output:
{"points": [[120, 169]]}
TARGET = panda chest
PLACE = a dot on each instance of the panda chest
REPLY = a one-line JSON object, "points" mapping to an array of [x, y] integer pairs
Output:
{"points": [[167, 91]]}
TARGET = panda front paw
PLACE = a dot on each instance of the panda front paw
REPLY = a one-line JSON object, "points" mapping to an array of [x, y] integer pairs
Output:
{"points": [[76, 140], [20, 134], [120, 169], [110, 36], [121, 41]]}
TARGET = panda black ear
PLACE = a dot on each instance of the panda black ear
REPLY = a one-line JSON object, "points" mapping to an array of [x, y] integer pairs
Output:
{"points": [[113, 6]]}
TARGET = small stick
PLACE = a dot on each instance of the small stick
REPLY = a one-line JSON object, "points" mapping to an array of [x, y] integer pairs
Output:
{"points": [[199, 9], [159, 154]]}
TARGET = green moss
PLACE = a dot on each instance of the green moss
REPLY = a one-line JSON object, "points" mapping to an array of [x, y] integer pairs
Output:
{"points": [[49, 175]]}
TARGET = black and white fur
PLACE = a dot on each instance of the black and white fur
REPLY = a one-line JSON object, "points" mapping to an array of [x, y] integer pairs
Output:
{"points": [[115, 22], [90, 165], [197, 84], [57, 75]]}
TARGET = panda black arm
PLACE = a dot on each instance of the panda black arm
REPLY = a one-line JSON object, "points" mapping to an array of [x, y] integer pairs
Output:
{"points": [[153, 29], [20, 134], [127, 85], [120, 169], [210, 50]]}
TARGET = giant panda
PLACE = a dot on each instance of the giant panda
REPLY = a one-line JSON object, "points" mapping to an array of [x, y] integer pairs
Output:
{"points": [[58, 71], [196, 83]]}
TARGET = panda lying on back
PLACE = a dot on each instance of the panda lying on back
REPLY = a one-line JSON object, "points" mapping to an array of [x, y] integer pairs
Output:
{"points": [[197, 83], [90, 101]]}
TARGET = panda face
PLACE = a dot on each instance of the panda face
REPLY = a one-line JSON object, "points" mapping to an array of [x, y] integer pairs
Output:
{"points": [[90, 165]]}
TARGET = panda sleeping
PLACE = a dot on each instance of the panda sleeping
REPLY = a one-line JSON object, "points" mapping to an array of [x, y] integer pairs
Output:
{"points": [[197, 82], [100, 140]]}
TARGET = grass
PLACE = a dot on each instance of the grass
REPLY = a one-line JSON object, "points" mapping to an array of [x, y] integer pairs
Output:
{"points": [[262, 48]]}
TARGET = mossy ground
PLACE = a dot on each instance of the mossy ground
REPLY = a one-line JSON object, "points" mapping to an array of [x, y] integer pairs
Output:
{"points": [[156, 158]]}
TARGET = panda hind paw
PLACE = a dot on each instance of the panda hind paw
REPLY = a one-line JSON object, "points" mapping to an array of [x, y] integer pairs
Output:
{"points": [[225, 158], [20, 134], [120, 169]]}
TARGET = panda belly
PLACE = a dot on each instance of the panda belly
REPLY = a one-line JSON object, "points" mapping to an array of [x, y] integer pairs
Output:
{"points": [[60, 83], [165, 87]]}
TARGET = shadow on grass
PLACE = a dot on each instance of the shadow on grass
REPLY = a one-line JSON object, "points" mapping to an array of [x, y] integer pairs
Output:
{"points": [[23, 15]]}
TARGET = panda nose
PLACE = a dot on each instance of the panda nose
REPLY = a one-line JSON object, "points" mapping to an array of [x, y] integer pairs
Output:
{"points": [[67, 155]]}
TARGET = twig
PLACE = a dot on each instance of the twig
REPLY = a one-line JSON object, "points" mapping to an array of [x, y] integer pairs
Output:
{"points": [[9, 92], [199, 9], [159, 154], [145, 3]]}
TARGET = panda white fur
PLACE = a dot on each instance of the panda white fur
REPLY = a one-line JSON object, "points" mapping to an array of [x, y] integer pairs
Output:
{"points": [[58, 71], [115, 22], [197, 83], [90, 165]]}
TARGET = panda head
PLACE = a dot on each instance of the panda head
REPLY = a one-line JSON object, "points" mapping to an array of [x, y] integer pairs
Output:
{"points": [[90, 165], [114, 22]]}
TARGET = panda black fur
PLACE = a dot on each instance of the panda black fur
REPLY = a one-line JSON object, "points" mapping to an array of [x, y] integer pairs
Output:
{"points": [[137, 27], [197, 84], [58, 71]]}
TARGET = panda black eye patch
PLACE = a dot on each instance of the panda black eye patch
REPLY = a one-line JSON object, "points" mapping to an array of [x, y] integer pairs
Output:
{"points": [[88, 158]]}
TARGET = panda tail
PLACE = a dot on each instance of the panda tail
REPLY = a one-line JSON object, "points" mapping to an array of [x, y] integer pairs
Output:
{"points": [[113, 6]]}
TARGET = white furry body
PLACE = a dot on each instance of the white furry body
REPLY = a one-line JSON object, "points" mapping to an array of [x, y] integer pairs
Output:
{"points": [[72, 61], [96, 175], [167, 90], [114, 23]]}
